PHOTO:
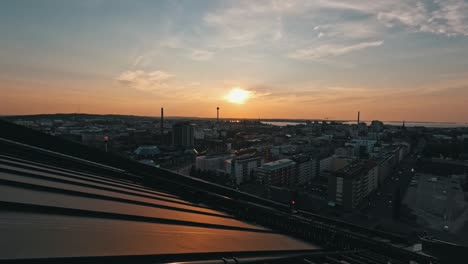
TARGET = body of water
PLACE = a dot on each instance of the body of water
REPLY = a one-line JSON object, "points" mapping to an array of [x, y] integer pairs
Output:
{"points": [[420, 124], [391, 123], [283, 123]]}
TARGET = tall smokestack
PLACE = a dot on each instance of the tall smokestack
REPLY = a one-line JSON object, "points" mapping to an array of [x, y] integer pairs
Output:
{"points": [[358, 117], [162, 125], [217, 114]]}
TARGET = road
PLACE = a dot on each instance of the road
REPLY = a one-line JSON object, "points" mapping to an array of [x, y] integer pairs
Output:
{"points": [[380, 203], [427, 207]]}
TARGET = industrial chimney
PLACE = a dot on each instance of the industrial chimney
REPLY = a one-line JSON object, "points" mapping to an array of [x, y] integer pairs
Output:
{"points": [[162, 126]]}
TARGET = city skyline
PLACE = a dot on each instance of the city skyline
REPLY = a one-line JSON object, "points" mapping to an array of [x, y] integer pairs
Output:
{"points": [[271, 59]]}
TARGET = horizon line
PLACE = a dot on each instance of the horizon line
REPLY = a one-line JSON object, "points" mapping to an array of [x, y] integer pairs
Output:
{"points": [[244, 118]]}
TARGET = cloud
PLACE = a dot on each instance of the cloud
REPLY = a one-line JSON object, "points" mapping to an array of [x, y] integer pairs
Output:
{"points": [[335, 27], [178, 43], [243, 23], [201, 55], [325, 51], [447, 17], [249, 22], [138, 61], [144, 81], [246, 22], [350, 30]]}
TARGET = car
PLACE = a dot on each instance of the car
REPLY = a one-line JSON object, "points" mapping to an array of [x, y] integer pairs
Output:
{"points": [[445, 227]]}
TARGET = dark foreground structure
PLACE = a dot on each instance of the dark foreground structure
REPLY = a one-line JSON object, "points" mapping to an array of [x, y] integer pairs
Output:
{"points": [[62, 202]]}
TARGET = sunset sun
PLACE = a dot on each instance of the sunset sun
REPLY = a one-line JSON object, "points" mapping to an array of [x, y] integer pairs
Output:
{"points": [[238, 95]]}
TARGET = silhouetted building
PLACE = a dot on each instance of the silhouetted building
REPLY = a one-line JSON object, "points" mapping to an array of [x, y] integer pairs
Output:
{"points": [[147, 152], [362, 127], [305, 168], [213, 162], [183, 134], [362, 147], [350, 185], [279, 173], [377, 126], [241, 167], [215, 147]]}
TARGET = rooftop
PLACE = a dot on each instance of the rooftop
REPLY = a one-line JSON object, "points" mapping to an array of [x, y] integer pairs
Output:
{"points": [[274, 165], [108, 216], [356, 169], [147, 151]]}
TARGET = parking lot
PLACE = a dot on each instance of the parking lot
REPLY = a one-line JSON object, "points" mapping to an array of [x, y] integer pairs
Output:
{"points": [[438, 202]]}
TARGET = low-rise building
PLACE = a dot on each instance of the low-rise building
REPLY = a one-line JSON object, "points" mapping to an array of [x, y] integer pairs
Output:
{"points": [[211, 162], [362, 147], [145, 152], [242, 167]]}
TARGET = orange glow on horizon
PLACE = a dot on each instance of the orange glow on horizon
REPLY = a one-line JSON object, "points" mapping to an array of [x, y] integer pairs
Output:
{"points": [[22, 97]]}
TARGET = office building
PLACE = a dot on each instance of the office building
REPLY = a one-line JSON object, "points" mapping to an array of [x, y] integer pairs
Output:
{"points": [[183, 134], [279, 173], [242, 167], [350, 185], [305, 169], [212, 163]]}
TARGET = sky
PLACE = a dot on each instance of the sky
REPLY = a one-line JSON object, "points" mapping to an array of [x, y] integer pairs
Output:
{"points": [[317, 59]]}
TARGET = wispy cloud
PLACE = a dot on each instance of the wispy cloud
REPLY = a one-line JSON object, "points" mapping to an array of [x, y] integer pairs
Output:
{"points": [[328, 27], [138, 61], [253, 22], [193, 53], [201, 55], [326, 51], [144, 81], [247, 22], [447, 17]]}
